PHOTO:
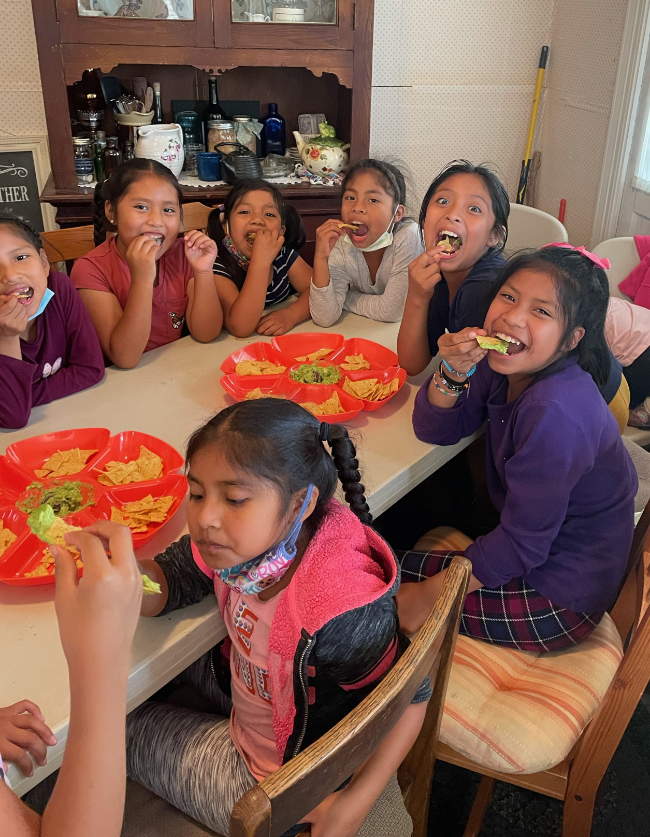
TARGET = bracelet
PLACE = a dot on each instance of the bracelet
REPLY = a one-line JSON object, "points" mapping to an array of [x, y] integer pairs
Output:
{"points": [[454, 386], [444, 391], [467, 374]]}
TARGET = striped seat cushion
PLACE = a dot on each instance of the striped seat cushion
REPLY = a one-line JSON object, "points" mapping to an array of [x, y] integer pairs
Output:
{"points": [[519, 711]]}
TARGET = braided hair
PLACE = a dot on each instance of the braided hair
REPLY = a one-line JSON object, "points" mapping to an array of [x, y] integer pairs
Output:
{"points": [[116, 185], [389, 177], [22, 228], [280, 442]]}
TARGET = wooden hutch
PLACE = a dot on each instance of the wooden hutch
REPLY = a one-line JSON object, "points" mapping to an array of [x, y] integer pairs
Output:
{"points": [[304, 67]]}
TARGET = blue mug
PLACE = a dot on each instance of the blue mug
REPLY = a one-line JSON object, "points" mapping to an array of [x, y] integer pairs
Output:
{"points": [[208, 164]]}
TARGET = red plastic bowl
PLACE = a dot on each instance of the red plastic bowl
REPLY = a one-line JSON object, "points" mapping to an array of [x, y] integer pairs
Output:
{"points": [[384, 377], [299, 345], [29, 455], [377, 355], [12, 482], [321, 392], [255, 351], [278, 385], [174, 485], [125, 447]]}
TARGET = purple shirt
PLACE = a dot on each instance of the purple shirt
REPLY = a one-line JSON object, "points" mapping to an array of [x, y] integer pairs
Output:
{"points": [[560, 477], [65, 357]]}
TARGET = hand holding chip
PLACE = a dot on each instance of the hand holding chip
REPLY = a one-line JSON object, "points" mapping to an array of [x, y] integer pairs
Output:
{"points": [[141, 258], [14, 317], [266, 246], [327, 235], [200, 251], [424, 274], [460, 350]]}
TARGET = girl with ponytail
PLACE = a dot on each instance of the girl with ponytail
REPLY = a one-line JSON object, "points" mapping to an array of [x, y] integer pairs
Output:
{"points": [[257, 237], [306, 589]]}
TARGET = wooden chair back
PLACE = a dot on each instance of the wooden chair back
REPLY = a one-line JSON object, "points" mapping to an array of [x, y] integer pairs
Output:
{"points": [[67, 245], [195, 216], [283, 799]]}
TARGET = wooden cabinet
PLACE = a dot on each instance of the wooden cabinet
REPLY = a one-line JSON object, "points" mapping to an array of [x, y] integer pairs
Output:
{"points": [[338, 57]]}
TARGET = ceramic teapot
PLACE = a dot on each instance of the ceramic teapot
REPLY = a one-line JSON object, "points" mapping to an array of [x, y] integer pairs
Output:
{"points": [[324, 154], [163, 143]]}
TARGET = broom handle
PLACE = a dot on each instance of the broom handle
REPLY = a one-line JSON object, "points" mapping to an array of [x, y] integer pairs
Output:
{"points": [[523, 181]]}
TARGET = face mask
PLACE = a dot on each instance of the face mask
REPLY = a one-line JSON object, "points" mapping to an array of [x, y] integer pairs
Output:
{"points": [[259, 573], [384, 240], [231, 247], [47, 296]]}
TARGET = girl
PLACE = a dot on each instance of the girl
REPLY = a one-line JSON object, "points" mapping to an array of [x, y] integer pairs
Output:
{"points": [[361, 262], [142, 284], [464, 222], [257, 237], [627, 329], [48, 347], [558, 472], [306, 589]]}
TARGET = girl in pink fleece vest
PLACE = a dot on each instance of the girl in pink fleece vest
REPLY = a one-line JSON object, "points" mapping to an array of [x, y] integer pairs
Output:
{"points": [[306, 589]]}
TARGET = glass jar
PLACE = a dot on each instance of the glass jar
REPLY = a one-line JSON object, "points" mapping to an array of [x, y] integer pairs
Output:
{"points": [[83, 160], [221, 130], [244, 132], [112, 156]]}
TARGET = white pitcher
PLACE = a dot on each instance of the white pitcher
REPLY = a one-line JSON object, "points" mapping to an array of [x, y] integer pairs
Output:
{"points": [[163, 143]]}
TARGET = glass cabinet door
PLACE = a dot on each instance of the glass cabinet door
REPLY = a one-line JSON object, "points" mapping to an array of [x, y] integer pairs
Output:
{"points": [[292, 24], [147, 9], [285, 11]]}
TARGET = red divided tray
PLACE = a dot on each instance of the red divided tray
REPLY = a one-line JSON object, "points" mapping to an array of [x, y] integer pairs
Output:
{"points": [[285, 349], [17, 473]]}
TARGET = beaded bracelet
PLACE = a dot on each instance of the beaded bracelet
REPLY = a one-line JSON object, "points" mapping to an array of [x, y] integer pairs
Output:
{"points": [[467, 374], [444, 391], [455, 386]]}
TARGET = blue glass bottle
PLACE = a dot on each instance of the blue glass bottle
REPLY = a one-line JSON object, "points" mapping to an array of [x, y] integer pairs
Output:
{"points": [[273, 132]]}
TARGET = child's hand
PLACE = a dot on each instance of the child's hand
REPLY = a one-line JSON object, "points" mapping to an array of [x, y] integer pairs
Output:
{"points": [[266, 246], [97, 613], [22, 731], [326, 237], [141, 257], [424, 274], [200, 251], [277, 322], [14, 317], [460, 350], [336, 816]]}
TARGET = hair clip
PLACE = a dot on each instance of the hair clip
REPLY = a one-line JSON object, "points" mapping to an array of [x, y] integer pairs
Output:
{"points": [[324, 433], [222, 207], [604, 263]]}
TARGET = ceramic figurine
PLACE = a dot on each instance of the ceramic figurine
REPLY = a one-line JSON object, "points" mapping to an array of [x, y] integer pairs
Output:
{"points": [[324, 154]]}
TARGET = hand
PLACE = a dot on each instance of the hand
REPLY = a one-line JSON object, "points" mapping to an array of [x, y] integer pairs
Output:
{"points": [[266, 246], [22, 731], [461, 351], [141, 258], [336, 816], [200, 251], [326, 237], [277, 322], [424, 274], [14, 317], [98, 613]]}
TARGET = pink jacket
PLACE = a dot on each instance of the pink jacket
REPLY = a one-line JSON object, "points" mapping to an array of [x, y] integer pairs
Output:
{"points": [[637, 284]]}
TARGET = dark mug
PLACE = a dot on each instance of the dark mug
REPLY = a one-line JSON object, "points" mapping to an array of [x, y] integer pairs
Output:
{"points": [[208, 164]]}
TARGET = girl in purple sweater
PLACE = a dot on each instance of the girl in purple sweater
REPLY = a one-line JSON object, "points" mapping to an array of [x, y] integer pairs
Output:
{"points": [[558, 473], [48, 346]]}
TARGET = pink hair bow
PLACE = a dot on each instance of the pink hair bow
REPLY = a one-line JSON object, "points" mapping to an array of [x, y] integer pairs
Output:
{"points": [[604, 263]]}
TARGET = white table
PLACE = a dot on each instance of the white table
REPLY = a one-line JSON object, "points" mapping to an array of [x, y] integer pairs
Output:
{"points": [[171, 392]]}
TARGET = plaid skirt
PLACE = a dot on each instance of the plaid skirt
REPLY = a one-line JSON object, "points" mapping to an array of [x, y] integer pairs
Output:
{"points": [[514, 615]]}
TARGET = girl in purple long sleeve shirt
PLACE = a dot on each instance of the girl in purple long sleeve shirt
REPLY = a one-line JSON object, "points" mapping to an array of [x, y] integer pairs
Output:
{"points": [[558, 472], [48, 346]]}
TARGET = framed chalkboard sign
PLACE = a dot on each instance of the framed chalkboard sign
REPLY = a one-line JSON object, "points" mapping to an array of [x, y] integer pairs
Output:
{"points": [[24, 168]]}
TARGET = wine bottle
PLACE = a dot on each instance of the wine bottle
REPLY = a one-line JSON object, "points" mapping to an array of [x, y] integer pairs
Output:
{"points": [[214, 109], [157, 104]]}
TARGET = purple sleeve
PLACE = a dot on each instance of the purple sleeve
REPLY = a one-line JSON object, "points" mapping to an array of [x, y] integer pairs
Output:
{"points": [[440, 426], [551, 455], [15, 391]]}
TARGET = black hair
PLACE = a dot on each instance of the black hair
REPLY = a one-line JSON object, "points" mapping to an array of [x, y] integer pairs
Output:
{"points": [[23, 229], [583, 295], [294, 231], [116, 184], [496, 190], [278, 441], [389, 176]]}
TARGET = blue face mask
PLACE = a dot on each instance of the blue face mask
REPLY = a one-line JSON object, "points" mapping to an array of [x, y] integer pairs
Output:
{"points": [[259, 573], [47, 296]]}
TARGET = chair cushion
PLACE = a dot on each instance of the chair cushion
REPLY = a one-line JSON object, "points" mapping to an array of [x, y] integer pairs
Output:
{"points": [[522, 712]]}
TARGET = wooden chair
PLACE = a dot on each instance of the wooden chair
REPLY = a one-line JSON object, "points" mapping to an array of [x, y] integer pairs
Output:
{"points": [[195, 216], [277, 803], [576, 780]]}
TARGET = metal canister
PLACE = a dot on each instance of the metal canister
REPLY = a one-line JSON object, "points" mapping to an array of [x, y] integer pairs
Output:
{"points": [[83, 160], [221, 130]]}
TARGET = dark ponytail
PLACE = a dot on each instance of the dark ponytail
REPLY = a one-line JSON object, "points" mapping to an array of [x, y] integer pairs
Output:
{"points": [[115, 186], [279, 442], [294, 235]]}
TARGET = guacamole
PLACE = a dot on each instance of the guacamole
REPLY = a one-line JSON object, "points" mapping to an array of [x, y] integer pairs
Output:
{"points": [[312, 373]]}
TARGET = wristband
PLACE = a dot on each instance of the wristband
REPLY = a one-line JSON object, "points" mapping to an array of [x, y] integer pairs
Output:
{"points": [[454, 386], [444, 391], [467, 374]]}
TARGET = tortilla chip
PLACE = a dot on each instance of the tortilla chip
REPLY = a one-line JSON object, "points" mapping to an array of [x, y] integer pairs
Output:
{"points": [[319, 354], [63, 463], [370, 389], [148, 466], [331, 407], [354, 363], [46, 567], [7, 537], [140, 513], [258, 367], [256, 393]]}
